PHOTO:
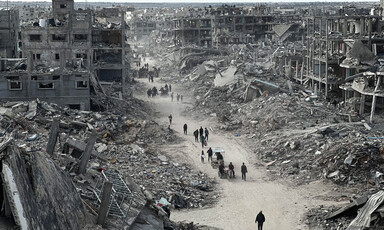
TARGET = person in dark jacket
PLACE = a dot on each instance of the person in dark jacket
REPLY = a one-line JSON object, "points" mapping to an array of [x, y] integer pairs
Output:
{"points": [[210, 153], [231, 167], [185, 127], [206, 133], [243, 172], [201, 131], [260, 219], [196, 134], [202, 139], [221, 169]]}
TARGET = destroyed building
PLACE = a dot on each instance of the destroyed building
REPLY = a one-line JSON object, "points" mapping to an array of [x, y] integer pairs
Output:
{"points": [[110, 59], [53, 64], [9, 28], [60, 55]]}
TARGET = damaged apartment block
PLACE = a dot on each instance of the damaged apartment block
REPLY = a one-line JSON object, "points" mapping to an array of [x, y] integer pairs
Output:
{"points": [[60, 55]]}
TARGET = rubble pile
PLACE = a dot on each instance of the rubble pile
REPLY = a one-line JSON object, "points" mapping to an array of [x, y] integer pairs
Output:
{"points": [[123, 145]]}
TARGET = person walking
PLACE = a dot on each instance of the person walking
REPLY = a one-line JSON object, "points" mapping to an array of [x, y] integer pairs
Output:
{"points": [[185, 127], [170, 88], [178, 97], [170, 119], [201, 131], [231, 168], [181, 97], [202, 156], [243, 172], [172, 96], [260, 219], [196, 134], [210, 153], [202, 139], [206, 133]]}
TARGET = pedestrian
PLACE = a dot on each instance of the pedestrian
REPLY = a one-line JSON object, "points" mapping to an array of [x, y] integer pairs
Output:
{"points": [[243, 172], [172, 96], [170, 119], [196, 134], [206, 133], [185, 127], [201, 131], [202, 156], [260, 219], [231, 168], [181, 97], [178, 97], [170, 88], [210, 153], [202, 139]]}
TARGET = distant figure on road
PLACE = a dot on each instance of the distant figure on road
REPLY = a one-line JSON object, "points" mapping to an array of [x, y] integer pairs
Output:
{"points": [[210, 153], [170, 88], [171, 96], [196, 134], [185, 127], [202, 139], [243, 172], [231, 168], [260, 219], [170, 119], [206, 133], [178, 97], [181, 97], [201, 131], [202, 156]]}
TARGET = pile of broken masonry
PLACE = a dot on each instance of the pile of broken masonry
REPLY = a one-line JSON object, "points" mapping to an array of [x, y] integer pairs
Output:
{"points": [[126, 146]]}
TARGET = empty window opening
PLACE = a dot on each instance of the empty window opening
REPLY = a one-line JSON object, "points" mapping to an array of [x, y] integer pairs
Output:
{"points": [[74, 106], [81, 37], [58, 37], [56, 77], [14, 85], [38, 56], [81, 84], [63, 6], [46, 85], [35, 37], [81, 55], [57, 56]]}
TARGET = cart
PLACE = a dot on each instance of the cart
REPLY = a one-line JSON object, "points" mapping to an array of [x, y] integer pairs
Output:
{"points": [[216, 159]]}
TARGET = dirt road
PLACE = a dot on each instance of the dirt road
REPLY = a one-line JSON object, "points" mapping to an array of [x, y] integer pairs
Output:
{"points": [[240, 201]]}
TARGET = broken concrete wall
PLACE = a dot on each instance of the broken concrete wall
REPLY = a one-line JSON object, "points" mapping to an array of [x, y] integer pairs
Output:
{"points": [[42, 196]]}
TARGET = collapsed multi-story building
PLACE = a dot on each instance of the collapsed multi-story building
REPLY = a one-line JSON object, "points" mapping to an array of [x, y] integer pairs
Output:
{"points": [[225, 25], [9, 27], [61, 55], [341, 49]]}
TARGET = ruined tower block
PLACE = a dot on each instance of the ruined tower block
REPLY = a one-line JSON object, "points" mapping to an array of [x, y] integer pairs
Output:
{"points": [[62, 9]]}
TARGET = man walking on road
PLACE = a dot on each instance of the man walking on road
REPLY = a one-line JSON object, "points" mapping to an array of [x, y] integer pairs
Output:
{"points": [[170, 119], [185, 129], [243, 172], [260, 219], [210, 153], [206, 133], [202, 139], [201, 131], [196, 134]]}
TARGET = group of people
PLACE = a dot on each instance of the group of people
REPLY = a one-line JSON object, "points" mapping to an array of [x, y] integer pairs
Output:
{"points": [[152, 92], [203, 133], [231, 169], [179, 97]]}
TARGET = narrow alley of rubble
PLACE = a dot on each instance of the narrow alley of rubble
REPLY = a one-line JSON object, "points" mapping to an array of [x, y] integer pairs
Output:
{"points": [[240, 201]]}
